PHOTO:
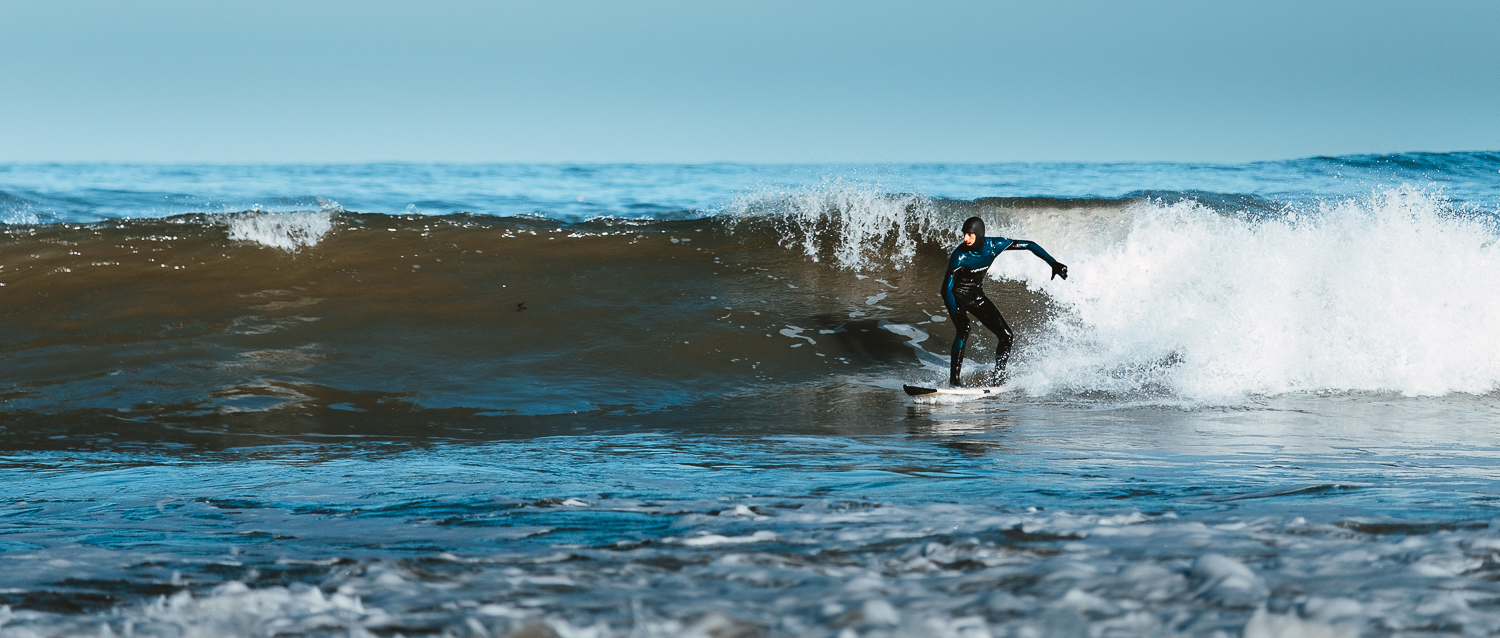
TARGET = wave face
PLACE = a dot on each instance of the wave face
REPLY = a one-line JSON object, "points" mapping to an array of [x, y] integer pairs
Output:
{"points": [[327, 309], [257, 311]]}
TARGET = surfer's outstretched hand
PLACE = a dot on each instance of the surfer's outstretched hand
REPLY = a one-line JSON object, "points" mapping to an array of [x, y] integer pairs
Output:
{"points": [[1059, 270]]}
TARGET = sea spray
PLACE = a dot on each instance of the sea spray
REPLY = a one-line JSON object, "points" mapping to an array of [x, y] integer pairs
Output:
{"points": [[1389, 293], [860, 227], [849, 225], [15, 211], [288, 231]]}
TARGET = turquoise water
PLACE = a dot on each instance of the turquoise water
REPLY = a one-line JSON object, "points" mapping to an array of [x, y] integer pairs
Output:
{"points": [[306, 401]]}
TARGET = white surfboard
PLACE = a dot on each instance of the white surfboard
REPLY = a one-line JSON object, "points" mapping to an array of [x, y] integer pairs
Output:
{"points": [[918, 391]]}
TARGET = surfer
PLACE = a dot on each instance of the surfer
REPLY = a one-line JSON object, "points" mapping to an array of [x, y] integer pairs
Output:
{"points": [[963, 291]]}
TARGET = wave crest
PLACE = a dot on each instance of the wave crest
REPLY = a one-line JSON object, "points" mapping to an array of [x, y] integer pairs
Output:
{"points": [[851, 226], [16, 211], [288, 231], [1390, 293]]}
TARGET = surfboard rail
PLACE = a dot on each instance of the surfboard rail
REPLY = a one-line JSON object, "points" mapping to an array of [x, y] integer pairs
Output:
{"points": [[919, 391]]}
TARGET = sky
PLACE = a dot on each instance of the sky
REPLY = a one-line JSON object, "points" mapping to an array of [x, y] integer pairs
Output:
{"points": [[764, 81]]}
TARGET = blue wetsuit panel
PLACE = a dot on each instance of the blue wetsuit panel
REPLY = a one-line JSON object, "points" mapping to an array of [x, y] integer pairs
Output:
{"points": [[968, 266]]}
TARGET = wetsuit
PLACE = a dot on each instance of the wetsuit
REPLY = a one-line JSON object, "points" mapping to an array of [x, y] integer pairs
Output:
{"points": [[963, 294]]}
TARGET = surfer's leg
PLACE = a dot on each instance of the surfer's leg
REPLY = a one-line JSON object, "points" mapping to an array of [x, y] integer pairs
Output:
{"points": [[989, 315], [960, 336]]}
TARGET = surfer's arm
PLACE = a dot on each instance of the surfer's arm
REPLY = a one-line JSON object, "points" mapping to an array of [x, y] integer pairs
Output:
{"points": [[1058, 269], [953, 264], [948, 299]]}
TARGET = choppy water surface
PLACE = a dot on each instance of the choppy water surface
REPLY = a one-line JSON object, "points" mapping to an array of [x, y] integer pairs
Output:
{"points": [[407, 400]]}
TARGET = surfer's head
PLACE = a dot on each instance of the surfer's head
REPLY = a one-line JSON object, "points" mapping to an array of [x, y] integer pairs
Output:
{"points": [[973, 231]]}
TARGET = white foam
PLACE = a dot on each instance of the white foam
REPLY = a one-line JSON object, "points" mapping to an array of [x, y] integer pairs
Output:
{"points": [[1227, 581], [21, 216], [1268, 625], [720, 539], [232, 609], [947, 569], [796, 333], [856, 226], [914, 338], [288, 231], [1394, 293]]}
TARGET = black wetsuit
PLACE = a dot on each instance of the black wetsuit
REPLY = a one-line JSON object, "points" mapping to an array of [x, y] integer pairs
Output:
{"points": [[963, 294]]}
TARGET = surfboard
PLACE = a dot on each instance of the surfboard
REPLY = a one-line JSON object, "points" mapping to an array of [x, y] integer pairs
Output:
{"points": [[918, 391]]}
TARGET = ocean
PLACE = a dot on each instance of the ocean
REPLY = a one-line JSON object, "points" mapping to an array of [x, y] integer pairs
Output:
{"points": [[665, 400]]}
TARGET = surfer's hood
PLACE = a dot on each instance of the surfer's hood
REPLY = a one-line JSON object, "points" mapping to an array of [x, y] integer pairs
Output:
{"points": [[974, 225]]}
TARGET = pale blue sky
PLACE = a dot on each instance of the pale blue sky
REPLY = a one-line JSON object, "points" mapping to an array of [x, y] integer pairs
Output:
{"points": [[764, 81]]}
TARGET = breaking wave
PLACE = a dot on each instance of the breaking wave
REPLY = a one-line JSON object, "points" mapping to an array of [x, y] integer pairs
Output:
{"points": [[1169, 301], [1392, 292], [289, 231]]}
